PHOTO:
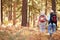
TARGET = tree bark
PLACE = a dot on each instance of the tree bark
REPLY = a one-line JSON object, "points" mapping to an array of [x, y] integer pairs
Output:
{"points": [[10, 11], [46, 7], [54, 5], [1, 13], [24, 12], [14, 14]]}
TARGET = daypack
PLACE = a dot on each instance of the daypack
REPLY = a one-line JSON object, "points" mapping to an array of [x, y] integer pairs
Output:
{"points": [[53, 18], [42, 18]]}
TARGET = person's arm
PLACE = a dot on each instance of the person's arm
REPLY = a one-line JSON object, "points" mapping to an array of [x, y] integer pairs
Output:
{"points": [[48, 17], [38, 21]]}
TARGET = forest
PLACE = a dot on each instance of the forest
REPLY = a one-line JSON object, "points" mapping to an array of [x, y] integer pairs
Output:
{"points": [[19, 19], [13, 10]]}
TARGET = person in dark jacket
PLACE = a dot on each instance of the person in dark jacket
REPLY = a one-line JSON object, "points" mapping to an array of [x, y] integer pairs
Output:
{"points": [[52, 22]]}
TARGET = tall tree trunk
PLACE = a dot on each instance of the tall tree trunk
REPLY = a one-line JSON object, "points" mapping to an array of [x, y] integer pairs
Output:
{"points": [[14, 14], [34, 20], [1, 13], [46, 7], [54, 5], [10, 10], [24, 12]]}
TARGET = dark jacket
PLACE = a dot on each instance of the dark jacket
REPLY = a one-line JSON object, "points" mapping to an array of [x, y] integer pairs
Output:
{"points": [[52, 14]]}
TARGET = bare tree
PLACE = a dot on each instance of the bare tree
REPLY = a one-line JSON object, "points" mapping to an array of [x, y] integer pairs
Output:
{"points": [[14, 14], [54, 5], [46, 7], [1, 13], [10, 10], [24, 12]]}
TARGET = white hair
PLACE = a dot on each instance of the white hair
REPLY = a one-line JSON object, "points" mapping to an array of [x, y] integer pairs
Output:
{"points": [[42, 12], [52, 11]]}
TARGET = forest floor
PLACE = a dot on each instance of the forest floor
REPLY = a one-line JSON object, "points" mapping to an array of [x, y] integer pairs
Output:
{"points": [[26, 33]]}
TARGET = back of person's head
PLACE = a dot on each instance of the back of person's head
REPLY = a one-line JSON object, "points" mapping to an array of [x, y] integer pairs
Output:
{"points": [[42, 12], [52, 11]]}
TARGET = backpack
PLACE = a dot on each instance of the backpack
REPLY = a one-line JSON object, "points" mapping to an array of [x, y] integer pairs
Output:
{"points": [[53, 18], [42, 18]]}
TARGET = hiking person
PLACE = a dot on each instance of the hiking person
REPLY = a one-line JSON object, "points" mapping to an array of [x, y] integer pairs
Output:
{"points": [[52, 22], [42, 21]]}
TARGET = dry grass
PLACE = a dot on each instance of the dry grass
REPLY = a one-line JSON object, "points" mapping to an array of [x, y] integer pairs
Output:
{"points": [[25, 33], [56, 35]]}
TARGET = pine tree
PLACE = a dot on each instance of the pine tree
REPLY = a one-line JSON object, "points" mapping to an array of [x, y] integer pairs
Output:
{"points": [[24, 12]]}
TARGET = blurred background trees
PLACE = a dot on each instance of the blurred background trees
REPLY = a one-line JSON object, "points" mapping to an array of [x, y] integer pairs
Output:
{"points": [[17, 12]]}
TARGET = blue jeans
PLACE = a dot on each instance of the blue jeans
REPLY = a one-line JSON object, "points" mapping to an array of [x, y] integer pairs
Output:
{"points": [[51, 28]]}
